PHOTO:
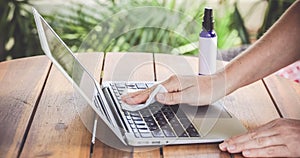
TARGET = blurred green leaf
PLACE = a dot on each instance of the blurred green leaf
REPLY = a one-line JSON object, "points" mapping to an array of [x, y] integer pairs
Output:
{"points": [[238, 24], [273, 12]]}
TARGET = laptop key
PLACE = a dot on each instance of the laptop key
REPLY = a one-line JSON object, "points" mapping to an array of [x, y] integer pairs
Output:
{"points": [[149, 84], [126, 113], [180, 114], [184, 134], [149, 119], [137, 119], [121, 91], [170, 116], [176, 110], [154, 108], [135, 114], [132, 126], [192, 131], [143, 130], [177, 127], [141, 126], [153, 128], [158, 114], [128, 117], [158, 133], [145, 112], [139, 122], [162, 122], [120, 85], [130, 121], [151, 124], [141, 86], [185, 122], [168, 132], [130, 85], [146, 134], [137, 134], [135, 130]]}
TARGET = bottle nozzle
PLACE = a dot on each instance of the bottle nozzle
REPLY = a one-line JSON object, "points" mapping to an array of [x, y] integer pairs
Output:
{"points": [[208, 22]]}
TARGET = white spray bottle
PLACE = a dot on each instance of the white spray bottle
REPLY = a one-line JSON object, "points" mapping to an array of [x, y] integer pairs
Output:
{"points": [[207, 45]]}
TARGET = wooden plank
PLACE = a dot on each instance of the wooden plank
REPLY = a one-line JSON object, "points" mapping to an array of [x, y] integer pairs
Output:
{"points": [[286, 95], [57, 129], [192, 151], [21, 82], [152, 152], [126, 67], [252, 105], [247, 104]]}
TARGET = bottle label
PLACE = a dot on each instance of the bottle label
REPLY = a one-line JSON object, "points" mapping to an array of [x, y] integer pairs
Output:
{"points": [[207, 55]]}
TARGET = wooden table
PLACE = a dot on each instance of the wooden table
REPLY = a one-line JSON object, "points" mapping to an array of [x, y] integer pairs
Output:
{"points": [[37, 118]]}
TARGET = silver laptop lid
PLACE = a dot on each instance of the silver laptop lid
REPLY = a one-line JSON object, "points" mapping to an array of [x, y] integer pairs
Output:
{"points": [[63, 58]]}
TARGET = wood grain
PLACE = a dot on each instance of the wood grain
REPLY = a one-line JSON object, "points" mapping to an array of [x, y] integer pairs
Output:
{"points": [[21, 82], [126, 67], [61, 129], [251, 105], [247, 104], [57, 129], [194, 150], [286, 95]]}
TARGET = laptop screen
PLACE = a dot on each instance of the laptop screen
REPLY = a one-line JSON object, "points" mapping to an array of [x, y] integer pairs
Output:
{"points": [[61, 53], [63, 58]]}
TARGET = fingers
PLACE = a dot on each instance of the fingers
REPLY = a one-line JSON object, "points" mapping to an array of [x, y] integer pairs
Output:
{"points": [[175, 86], [262, 131], [137, 97], [268, 140], [272, 151], [261, 142]]}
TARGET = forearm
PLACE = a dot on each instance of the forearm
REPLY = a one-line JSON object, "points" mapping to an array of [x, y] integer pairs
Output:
{"points": [[279, 47]]}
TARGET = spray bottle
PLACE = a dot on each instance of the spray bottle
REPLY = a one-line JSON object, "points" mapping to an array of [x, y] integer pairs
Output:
{"points": [[207, 45]]}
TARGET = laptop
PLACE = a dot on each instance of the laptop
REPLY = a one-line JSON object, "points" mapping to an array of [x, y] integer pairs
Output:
{"points": [[154, 125]]}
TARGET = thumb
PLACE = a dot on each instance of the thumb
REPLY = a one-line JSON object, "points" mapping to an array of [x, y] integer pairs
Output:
{"points": [[172, 84]]}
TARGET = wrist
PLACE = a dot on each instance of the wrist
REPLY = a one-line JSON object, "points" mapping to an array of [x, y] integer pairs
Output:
{"points": [[232, 81], [216, 86], [224, 83]]}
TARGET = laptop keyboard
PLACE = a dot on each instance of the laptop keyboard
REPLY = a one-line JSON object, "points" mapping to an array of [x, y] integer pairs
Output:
{"points": [[156, 120]]}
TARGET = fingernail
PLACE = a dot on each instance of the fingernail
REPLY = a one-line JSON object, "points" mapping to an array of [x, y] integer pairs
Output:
{"points": [[231, 147], [160, 97], [246, 153], [223, 146]]}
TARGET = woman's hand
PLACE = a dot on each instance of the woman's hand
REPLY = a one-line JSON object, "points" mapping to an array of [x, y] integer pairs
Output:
{"points": [[278, 138], [193, 90]]}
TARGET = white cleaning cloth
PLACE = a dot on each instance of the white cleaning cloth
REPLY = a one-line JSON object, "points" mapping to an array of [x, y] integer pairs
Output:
{"points": [[159, 89]]}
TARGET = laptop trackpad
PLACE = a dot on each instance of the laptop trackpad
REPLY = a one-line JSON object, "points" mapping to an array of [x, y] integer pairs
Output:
{"points": [[205, 118], [212, 111]]}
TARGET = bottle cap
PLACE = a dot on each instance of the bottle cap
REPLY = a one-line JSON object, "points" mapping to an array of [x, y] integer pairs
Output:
{"points": [[208, 21]]}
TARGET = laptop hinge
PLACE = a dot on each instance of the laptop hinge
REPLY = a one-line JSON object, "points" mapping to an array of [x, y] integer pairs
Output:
{"points": [[115, 110]]}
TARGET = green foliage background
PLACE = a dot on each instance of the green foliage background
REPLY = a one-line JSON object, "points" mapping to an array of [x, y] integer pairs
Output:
{"points": [[73, 28], [73, 22]]}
